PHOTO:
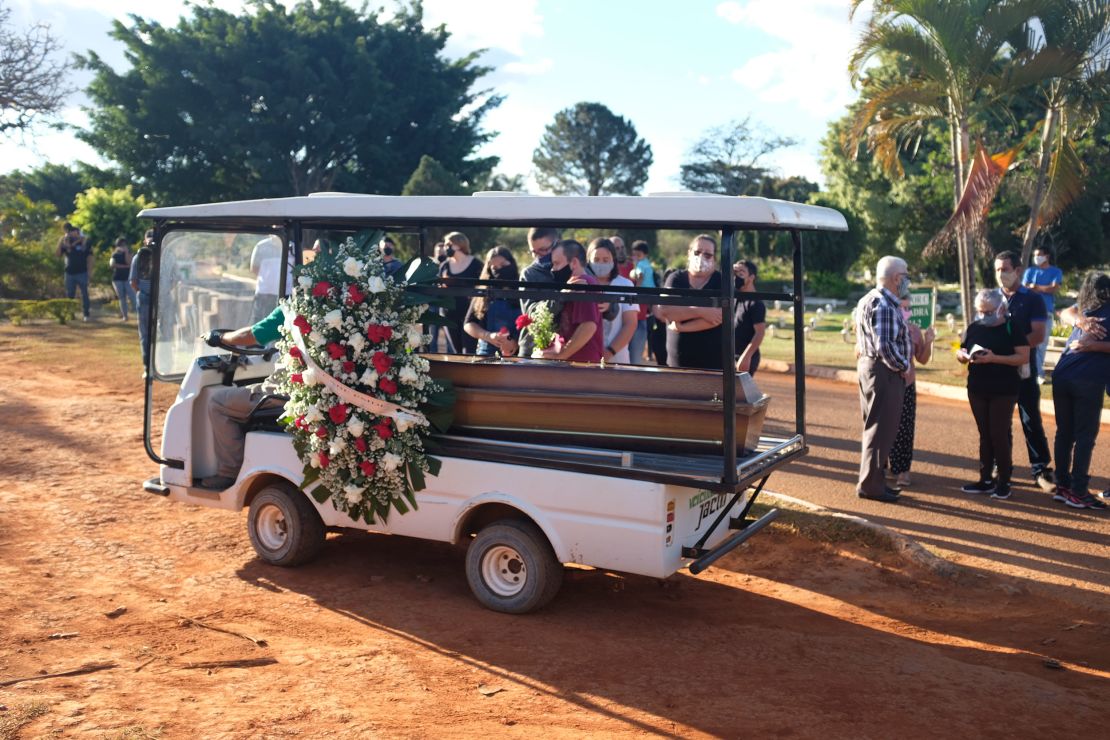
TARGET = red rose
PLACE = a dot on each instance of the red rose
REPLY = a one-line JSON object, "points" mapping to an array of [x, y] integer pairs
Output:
{"points": [[324, 460], [348, 367], [299, 423], [382, 362], [360, 444], [338, 413], [337, 351], [387, 386], [383, 430], [368, 468], [320, 289], [523, 320], [296, 378], [321, 432], [503, 331], [302, 323], [294, 352], [354, 295], [378, 333]]}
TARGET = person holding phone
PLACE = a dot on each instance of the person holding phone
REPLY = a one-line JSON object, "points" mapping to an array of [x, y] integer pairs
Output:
{"points": [[993, 351]]}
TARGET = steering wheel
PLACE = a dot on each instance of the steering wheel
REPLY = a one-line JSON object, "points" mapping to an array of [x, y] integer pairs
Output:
{"points": [[215, 339]]}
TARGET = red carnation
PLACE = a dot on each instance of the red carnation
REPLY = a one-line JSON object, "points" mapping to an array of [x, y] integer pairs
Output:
{"points": [[354, 295], [523, 320], [296, 378], [337, 351], [320, 289], [503, 331], [321, 432], [360, 444], [382, 362], [387, 386], [383, 430], [348, 367], [324, 459], [338, 413], [368, 468], [294, 352], [302, 323]]}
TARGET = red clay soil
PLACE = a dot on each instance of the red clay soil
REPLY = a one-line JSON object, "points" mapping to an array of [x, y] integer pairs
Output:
{"points": [[381, 637]]}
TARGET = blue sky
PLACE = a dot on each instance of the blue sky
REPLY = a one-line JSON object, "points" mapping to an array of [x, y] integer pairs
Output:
{"points": [[674, 69]]}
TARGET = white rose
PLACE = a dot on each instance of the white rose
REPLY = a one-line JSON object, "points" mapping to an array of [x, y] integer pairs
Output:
{"points": [[355, 427], [415, 337], [356, 342], [375, 284], [407, 375], [337, 446], [305, 282], [370, 378], [352, 267], [314, 459], [313, 415], [317, 338], [403, 423], [334, 319], [353, 494], [390, 461], [308, 376]]}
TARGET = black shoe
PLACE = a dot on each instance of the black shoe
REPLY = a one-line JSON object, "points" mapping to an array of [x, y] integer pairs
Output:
{"points": [[979, 486], [1001, 491], [887, 496]]}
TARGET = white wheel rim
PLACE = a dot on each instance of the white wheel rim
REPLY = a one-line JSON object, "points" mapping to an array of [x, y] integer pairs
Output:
{"points": [[504, 571], [270, 527]]}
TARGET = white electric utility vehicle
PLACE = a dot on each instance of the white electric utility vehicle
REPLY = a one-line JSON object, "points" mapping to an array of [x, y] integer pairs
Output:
{"points": [[522, 508]]}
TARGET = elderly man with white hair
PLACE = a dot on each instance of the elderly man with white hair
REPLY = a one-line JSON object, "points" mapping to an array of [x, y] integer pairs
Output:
{"points": [[884, 351]]}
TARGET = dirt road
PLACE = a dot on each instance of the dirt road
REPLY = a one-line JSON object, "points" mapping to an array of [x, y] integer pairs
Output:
{"points": [[381, 637]]}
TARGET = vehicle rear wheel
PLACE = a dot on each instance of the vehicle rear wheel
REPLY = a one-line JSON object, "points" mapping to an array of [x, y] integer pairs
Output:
{"points": [[511, 567], [285, 529]]}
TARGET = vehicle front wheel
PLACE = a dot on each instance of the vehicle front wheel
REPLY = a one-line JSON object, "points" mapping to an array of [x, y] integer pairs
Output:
{"points": [[511, 567], [285, 529]]}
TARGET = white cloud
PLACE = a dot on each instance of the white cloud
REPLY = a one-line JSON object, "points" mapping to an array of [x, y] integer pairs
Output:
{"points": [[510, 25], [529, 69], [811, 68]]}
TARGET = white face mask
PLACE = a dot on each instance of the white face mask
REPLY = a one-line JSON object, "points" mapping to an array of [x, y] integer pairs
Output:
{"points": [[700, 264], [1040, 260], [601, 269]]}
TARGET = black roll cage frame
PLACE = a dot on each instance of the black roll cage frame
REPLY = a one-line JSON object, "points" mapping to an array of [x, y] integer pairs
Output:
{"points": [[291, 232]]}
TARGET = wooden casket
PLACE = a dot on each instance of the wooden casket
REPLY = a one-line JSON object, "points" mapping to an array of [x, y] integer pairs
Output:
{"points": [[624, 407]]}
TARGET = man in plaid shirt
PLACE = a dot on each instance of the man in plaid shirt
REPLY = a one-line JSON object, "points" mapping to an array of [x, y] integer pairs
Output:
{"points": [[884, 355]]}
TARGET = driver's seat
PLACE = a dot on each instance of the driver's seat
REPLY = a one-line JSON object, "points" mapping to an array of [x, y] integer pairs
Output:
{"points": [[264, 415]]}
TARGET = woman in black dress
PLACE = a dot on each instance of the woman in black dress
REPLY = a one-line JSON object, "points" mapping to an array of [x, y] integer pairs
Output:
{"points": [[459, 264], [694, 333], [994, 351]]}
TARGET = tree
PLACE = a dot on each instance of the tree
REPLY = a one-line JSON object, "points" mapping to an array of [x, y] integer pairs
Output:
{"points": [[956, 68], [277, 102], [432, 178], [589, 150], [726, 159], [106, 215], [32, 80], [59, 184]]}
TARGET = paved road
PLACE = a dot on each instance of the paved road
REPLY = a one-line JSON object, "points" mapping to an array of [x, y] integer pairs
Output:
{"points": [[1030, 535]]}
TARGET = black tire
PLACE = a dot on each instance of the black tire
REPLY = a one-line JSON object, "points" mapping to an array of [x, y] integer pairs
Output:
{"points": [[285, 529], [531, 574]]}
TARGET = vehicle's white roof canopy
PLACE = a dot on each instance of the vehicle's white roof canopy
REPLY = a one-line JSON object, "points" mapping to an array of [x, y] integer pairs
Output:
{"points": [[685, 210]]}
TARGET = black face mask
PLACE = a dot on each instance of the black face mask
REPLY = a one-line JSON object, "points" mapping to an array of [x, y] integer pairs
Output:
{"points": [[387, 251], [441, 258], [449, 251], [562, 274]]}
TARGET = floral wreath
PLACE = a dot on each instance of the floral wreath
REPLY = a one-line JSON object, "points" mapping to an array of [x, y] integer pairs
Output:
{"points": [[361, 402]]}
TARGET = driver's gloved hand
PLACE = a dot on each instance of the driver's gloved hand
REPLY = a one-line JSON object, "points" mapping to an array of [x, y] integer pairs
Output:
{"points": [[213, 338]]}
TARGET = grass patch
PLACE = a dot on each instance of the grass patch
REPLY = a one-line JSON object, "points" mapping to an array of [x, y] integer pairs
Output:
{"points": [[822, 527], [15, 719], [106, 347]]}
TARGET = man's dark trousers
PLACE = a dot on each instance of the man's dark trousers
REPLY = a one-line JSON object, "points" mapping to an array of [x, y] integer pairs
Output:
{"points": [[1029, 409], [881, 391]]}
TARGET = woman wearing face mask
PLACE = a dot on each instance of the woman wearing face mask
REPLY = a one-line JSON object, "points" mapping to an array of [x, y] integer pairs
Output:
{"points": [[459, 264], [618, 320], [901, 454], [493, 322], [994, 352], [694, 333]]}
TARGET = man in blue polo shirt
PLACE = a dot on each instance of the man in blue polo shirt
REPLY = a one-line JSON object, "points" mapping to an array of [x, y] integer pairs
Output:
{"points": [[1027, 315], [1044, 279], [228, 407]]}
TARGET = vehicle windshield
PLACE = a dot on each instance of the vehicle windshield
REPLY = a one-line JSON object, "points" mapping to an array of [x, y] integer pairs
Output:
{"points": [[212, 280]]}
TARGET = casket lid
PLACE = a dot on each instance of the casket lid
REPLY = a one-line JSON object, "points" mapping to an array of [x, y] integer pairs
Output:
{"points": [[676, 210]]}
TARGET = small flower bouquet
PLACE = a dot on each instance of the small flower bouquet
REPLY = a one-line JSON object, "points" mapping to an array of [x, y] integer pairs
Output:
{"points": [[540, 321]]}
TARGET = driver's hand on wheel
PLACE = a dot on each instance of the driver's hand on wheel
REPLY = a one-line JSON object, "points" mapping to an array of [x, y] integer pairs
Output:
{"points": [[213, 338]]}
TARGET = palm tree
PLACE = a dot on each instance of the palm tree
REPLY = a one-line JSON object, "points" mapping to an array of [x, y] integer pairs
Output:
{"points": [[1079, 31], [956, 53]]}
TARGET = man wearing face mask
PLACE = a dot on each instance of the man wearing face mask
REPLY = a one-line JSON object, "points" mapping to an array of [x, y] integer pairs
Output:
{"points": [[1026, 312], [541, 240], [579, 321], [694, 332], [884, 351], [391, 264], [1044, 279]]}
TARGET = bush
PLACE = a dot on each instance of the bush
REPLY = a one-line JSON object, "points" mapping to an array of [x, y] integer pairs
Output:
{"points": [[830, 285], [62, 310]]}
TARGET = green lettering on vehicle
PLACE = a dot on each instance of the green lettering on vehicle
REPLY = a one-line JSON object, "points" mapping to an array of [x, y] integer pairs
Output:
{"points": [[700, 497]]}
